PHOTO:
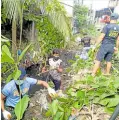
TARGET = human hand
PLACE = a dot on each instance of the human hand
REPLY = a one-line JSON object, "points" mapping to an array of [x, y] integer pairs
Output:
{"points": [[115, 50], [7, 115], [51, 92]]}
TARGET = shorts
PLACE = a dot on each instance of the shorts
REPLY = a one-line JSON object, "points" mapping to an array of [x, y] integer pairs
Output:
{"points": [[105, 52]]}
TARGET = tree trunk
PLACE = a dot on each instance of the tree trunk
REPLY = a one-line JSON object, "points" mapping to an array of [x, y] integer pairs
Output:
{"points": [[33, 31], [14, 48]]}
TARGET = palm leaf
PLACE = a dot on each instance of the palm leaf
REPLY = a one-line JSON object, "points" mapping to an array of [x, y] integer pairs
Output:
{"points": [[57, 15]]}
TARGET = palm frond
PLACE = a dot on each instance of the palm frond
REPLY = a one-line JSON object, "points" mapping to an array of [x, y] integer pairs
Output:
{"points": [[57, 16], [12, 9]]}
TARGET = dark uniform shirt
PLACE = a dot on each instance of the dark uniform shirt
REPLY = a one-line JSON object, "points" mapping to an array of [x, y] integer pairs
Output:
{"points": [[86, 41], [111, 32]]}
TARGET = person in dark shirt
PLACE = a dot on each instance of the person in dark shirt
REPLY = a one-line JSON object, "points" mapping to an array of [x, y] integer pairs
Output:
{"points": [[86, 46], [86, 41], [109, 39]]}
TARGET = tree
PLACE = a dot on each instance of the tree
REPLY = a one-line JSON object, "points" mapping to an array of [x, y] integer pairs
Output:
{"points": [[80, 14], [14, 10]]}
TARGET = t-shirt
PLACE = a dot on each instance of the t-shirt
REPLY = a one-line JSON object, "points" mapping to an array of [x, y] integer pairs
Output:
{"points": [[86, 41], [11, 92], [111, 32], [53, 64]]}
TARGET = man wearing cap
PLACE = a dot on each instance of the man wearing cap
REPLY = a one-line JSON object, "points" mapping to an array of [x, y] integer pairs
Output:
{"points": [[109, 40], [10, 95]]}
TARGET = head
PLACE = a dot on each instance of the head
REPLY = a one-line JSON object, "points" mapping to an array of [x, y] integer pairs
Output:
{"points": [[114, 17], [56, 53]]}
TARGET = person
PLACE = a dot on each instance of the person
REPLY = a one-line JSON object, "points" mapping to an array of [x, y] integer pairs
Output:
{"points": [[86, 46], [109, 36], [15, 89], [55, 64], [86, 42]]}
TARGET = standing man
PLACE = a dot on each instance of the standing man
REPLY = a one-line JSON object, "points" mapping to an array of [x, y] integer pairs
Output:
{"points": [[109, 36], [12, 91]]}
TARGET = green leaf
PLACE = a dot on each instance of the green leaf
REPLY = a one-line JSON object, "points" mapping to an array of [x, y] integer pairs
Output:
{"points": [[23, 52], [81, 94], [61, 109], [6, 55], [96, 100], [54, 107], [9, 77], [113, 101], [63, 99], [21, 107], [109, 110], [116, 84], [48, 113], [76, 105], [104, 95], [58, 116], [17, 74], [104, 101]]}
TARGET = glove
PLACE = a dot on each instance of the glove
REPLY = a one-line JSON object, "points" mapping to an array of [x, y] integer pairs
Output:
{"points": [[51, 92], [7, 115]]}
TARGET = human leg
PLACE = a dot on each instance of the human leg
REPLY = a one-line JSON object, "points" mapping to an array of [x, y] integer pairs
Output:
{"points": [[57, 84], [100, 56], [109, 64], [96, 67]]}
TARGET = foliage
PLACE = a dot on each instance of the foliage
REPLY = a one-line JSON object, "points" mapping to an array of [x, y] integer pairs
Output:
{"points": [[9, 64], [12, 9], [51, 9], [100, 90], [80, 13], [21, 107], [49, 36], [81, 21]]}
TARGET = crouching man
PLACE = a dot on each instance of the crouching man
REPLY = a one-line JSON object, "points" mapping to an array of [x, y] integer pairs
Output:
{"points": [[15, 89]]}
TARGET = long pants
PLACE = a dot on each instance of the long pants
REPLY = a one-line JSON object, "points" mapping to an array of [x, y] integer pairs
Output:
{"points": [[57, 84]]}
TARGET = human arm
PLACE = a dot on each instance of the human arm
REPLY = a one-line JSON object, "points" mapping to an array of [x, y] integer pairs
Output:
{"points": [[6, 114], [2, 102], [33, 81], [102, 35], [43, 83]]}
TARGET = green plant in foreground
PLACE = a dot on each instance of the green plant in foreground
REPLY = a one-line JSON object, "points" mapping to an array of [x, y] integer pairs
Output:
{"points": [[21, 107], [14, 73], [100, 90]]}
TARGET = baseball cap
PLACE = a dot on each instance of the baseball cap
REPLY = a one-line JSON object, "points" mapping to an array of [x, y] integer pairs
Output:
{"points": [[114, 16]]}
